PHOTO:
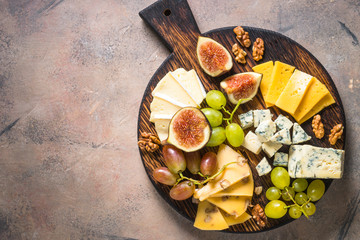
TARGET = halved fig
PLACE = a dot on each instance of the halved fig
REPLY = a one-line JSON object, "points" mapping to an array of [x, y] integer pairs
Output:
{"points": [[189, 130], [241, 86], [213, 57]]}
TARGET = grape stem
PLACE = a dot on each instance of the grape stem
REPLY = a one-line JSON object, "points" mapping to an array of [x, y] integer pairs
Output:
{"points": [[229, 119], [295, 203]]}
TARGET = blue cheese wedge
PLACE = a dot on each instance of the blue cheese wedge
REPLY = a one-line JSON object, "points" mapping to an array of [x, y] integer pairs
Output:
{"points": [[261, 115], [283, 122], [282, 136], [299, 134], [281, 159], [263, 167], [270, 148], [265, 130], [246, 119], [306, 161], [252, 142]]}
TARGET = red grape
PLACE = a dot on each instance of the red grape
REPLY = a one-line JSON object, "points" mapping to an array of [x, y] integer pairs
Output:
{"points": [[182, 191], [164, 176], [193, 161], [208, 164], [174, 158]]}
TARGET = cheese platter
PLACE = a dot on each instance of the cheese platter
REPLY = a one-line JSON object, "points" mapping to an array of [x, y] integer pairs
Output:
{"points": [[289, 87]]}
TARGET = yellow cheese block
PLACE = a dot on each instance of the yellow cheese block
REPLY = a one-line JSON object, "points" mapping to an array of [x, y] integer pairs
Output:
{"points": [[294, 91], [266, 70], [233, 173], [209, 217], [231, 220], [234, 206], [315, 93], [279, 78], [327, 100], [244, 187]]}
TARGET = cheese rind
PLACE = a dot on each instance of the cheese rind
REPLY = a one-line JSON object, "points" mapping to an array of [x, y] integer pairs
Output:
{"points": [[263, 167], [266, 69], [299, 134], [270, 148], [251, 142], [282, 136], [283, 122], [279, 78], [306, 161], [261, 115], [281, 159], [265, 130], [209, 217], [246, 119], [294, 91]]}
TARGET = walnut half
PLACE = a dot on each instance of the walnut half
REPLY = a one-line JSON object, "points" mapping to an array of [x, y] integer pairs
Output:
{"points": [[336, 133], [239, 53], [318, 127], [148, 142], [259, 215], [242, 36], [258, 49]]}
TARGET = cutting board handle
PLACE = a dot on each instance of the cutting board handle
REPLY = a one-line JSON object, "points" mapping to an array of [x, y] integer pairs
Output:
{"points": [[174, 22]]}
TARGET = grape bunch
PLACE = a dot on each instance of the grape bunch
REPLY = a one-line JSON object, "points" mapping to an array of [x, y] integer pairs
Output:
{"points": [[302, 203], [233, 132]]}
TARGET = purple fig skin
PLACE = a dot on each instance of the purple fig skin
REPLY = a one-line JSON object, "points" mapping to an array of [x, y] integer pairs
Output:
{"points": [[182, 191], [208, 164], [165, 176], [174, 159], [193, 160]]}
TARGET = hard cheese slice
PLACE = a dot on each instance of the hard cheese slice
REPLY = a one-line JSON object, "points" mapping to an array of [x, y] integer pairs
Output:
{"points": [[266, 70], [294, 91], [159, 107], [279, 78], [234, 206], [232, 220], [315, 93], [170, 90], [327, 100], [208, 217], [232, 174], [191, 83], [244, 187]]}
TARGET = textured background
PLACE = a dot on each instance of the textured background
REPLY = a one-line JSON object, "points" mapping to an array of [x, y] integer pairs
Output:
{"points": [[72, 75]]}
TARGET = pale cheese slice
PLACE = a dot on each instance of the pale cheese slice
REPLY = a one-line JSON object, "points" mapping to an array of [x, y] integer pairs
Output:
{"points": [[232, 174], [162, 128], [234, 206], [232, 220], [170, 90], [244, 187], [209, 217], [160, 107]]}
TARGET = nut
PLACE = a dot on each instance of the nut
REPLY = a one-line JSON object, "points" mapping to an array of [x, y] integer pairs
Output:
{"points": [[258, 190], [148, 142], [258, 49], [242, 36], [239, 53], [318, 127], [259, 215], [336, 133], [224, 184]]}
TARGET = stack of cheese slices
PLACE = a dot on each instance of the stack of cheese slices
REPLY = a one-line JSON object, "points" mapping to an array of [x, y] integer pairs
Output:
{"points": [[292, 90], [175, 90]]}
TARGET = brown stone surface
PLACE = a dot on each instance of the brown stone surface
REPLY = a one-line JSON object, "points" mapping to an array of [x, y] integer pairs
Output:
{"points": [[72, 75]]}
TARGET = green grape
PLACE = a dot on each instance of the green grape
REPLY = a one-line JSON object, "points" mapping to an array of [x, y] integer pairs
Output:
{"points": [[309, 209], [301, 198], [234, 134], [275, 209], [287, 193], [316, 190], [300, 184], [214, 117], [273, 193], [182, 191], [215, 99], [280, 177], [295, 212], [218, 136]]}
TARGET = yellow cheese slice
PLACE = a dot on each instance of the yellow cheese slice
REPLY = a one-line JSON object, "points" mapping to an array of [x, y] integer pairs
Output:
{"points": [[231, 220], [279, 78], [209, 217], [162, 128], [191, 83], [315, 93], [266, 70], [233, 173], [294, 91], [327, 100], [234, 206], [170, 90], [245, 187], [160, 107]]}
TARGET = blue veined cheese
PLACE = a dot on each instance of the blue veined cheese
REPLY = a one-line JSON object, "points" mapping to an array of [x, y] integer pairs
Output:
{"points": [[283, 122], [270, 148], [306, 161], [281, 159], [246, 119], [263, 167], [299, 134], [282, 136], [261, 115], [265, 130], [252, 142]]}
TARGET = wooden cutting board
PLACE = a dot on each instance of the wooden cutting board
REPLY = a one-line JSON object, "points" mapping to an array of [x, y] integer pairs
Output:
{"points": [[174, 23]]}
